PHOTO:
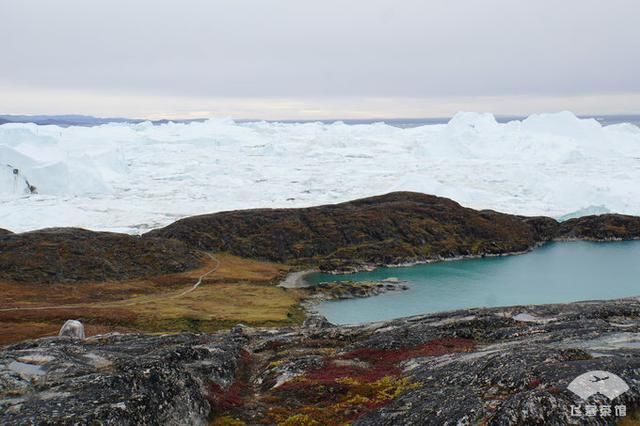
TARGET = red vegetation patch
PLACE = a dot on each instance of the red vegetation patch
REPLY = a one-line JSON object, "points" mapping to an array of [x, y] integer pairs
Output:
{"points": [[245, 359], [222, 399], [351, 384], [384, 362], [436, 347]]}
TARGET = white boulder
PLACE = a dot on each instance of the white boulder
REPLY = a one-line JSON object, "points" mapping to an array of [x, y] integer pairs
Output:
{"points": [[73, 329]]}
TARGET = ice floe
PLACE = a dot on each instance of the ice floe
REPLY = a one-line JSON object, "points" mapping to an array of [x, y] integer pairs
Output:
{"points": [[133, 177]]}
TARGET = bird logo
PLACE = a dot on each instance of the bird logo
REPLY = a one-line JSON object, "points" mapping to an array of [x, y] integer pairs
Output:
{"points": [[598, 382], [597, 379]]}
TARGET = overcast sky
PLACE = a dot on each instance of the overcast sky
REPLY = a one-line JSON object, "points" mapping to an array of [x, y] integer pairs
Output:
{"points": [[318, 59]]}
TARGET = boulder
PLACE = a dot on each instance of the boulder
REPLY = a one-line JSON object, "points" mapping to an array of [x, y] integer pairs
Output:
{"points": [[316, 321], [73, 329]]}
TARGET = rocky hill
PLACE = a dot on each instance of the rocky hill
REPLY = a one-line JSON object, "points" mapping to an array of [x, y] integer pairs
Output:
{"points": [[601, 228], [388, 229], [501, 366], [396, 228], [72, 254]]}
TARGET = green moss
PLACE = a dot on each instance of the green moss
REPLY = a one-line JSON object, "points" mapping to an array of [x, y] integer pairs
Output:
{"points": [[299, 420]]}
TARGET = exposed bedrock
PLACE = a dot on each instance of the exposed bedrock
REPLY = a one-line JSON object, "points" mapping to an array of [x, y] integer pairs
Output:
{"points": [[499, 366], [116, 379], [350, 289]]}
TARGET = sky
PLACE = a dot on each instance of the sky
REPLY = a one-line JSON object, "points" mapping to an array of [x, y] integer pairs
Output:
{"points": [[290, 59]]}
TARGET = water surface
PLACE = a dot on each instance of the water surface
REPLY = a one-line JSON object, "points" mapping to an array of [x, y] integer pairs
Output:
{"points": [[554, 273]]}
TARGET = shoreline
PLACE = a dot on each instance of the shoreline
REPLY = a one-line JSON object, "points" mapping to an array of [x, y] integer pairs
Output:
{"points": [[299, 275], [296, 279], [310, 304]]}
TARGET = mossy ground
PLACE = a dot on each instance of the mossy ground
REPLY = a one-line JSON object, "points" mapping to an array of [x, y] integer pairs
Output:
{"points": [[238, 291]]}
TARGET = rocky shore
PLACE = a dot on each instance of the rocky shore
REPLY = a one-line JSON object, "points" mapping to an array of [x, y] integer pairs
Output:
{"points": [[502, 366], [325, 291]]}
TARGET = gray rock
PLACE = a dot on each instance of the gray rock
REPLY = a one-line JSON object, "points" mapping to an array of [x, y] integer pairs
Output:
{"points": [[116, 379], [316, 321]]}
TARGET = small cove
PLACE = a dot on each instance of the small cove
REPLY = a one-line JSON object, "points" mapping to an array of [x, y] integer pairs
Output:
{"points": [[557, 272]]}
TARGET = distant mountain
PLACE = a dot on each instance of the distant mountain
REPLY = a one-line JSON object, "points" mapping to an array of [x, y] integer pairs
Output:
{"points": [[63, 120], [88, 120], [77, 120]]}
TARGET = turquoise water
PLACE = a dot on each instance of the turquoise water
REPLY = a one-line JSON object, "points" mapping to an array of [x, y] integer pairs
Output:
{"points": [[554, 273]]}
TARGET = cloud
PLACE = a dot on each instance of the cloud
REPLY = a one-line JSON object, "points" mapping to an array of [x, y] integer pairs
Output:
{"points": [[309, 51]]}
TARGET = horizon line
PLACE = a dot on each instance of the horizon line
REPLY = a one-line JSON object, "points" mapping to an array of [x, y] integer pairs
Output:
{"points": [[23, 118]]}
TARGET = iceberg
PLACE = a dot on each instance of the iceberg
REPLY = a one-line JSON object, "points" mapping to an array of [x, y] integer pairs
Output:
{"points": [[134, 177]]}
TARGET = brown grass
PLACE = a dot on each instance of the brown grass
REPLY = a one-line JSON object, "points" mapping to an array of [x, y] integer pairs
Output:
{"points": [[240, 290], [32, 330]]}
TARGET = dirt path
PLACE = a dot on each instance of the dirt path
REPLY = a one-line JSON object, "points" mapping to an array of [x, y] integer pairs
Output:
{"points": [[203, 276], [119, 304]]}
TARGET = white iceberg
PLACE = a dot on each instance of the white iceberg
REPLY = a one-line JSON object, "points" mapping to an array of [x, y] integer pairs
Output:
{"points": [[133, 177]]}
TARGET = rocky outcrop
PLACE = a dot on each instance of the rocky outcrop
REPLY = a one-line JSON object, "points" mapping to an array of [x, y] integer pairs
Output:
{"points": [[350, 289], [601, 228], [499, 366], [117, 379], [520, 370], [388, 229], [72, 254]]}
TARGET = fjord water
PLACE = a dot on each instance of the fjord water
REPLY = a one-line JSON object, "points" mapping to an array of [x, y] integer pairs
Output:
{"points": [[554, 273]]}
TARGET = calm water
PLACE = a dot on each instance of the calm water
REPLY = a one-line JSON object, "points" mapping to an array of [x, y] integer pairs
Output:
{"points": [[556, 272]]}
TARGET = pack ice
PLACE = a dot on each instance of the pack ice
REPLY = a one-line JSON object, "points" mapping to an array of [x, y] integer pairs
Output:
{"points": [[133, 177]]}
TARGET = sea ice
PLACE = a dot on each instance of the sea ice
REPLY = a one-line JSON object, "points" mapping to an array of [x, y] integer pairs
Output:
{"points": [[134, 177]]}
